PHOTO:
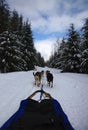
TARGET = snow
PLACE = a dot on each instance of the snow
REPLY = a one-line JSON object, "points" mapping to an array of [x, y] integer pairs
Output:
{"points": [[70, 89]]}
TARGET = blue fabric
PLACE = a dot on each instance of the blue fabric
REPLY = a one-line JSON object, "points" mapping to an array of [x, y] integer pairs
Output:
{"points": [[64, 119], [15, 116], [58, 110]]}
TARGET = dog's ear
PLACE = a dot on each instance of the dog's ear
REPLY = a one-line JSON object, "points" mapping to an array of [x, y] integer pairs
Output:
{"points": [[33, 73], [42, 72]]}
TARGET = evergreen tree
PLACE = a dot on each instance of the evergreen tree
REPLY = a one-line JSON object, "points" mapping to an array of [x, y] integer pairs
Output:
{"points": [[20, 25], [61, 55], [4, 16], [56, 55], [53, 60], [71, 52], [14, 21], [10, 54], [29, 50], [84, 48], [40, 60], [17, 50], [57, 60]]}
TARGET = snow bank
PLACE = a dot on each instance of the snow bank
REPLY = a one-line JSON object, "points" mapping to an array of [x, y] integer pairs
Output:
{"points": [[71, 90]]}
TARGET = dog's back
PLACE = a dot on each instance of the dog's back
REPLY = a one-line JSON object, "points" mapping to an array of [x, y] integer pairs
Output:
{"points": [[49, 77]]}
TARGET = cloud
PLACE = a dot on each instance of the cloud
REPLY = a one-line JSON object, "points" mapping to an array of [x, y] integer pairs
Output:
{"points": [[45, 47], [49, 17]]}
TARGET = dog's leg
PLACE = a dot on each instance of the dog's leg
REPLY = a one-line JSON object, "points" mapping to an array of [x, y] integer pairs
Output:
{"points": [[38, 84], [51, 84], [48, 83], [35, 82]]}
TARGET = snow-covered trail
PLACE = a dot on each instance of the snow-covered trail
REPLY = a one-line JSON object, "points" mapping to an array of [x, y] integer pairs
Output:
{"points": [[71, 90]]}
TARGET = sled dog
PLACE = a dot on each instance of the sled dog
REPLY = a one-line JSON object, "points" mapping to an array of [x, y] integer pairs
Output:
{"points": [[49, 77], [38, 77]]}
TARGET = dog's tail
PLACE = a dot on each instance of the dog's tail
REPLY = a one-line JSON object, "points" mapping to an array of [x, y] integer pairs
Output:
{"points": [[33, 73]]}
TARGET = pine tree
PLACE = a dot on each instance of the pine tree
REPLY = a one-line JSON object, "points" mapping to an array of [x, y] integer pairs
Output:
{"points": [[40, 60], [20, 25], [71, 53], [61, 54], [54, 58], [29, 50], [84, 48], [17, 50], [14, 21], [4, 16], [10, 53]]}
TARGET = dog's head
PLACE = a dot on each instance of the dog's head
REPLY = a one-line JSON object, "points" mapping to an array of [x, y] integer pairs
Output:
{"points": [[47, 72], [42, 73]]}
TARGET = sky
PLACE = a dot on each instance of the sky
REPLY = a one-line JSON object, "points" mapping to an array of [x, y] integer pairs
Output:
{"points": [[50, 19]]}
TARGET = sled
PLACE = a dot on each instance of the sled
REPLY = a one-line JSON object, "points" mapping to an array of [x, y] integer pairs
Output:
{"points": [[44, 114]]}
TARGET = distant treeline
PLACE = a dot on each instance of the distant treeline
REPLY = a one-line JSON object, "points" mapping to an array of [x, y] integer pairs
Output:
{"points": [[17, 51], [71, 54]]}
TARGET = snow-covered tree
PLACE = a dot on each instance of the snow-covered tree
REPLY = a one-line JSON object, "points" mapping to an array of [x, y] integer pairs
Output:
{"points": [[84, 48], [54, 58], [29, 50], [17, 50], [61, 54], [14, 21], [39, 60], [71, 53], [10, 53], [4, 15]]}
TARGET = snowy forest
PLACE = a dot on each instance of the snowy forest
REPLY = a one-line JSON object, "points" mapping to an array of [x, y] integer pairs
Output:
{"points": [[71, 55], [17, 51]]}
